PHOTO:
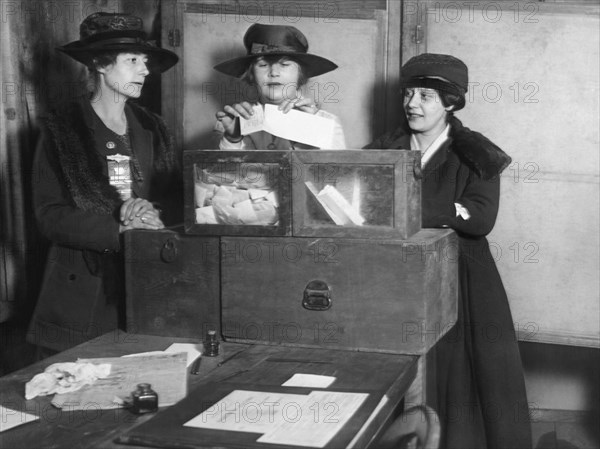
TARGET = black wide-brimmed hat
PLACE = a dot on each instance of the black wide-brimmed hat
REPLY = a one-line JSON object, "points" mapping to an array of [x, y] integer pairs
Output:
{"points": [[276, 40], [437, 71], [102, 31]]}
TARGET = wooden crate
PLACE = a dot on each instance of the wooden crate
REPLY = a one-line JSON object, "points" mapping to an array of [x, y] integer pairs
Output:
{"points": [[397, 296], [172, 283]]}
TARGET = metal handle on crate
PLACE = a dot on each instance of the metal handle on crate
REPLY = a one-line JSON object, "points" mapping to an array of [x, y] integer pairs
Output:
{"points": [[317, 296], [168, 252]]}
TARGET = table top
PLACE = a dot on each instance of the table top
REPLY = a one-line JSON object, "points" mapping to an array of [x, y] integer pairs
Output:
{"points": [[386, 377]]}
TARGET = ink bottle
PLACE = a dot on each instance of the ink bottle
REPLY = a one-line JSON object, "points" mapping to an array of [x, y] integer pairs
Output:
{"points": [[145, 400], [211, 344]]}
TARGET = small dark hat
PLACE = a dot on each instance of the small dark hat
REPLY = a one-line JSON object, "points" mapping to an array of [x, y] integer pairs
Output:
{"points": [[102, 31], [437, 71], [276, 40]]}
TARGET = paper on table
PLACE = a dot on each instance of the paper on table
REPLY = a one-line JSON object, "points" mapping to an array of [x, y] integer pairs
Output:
{"points": [[309, 381], [166, 373], [190, 349], [294, 125], [10, 418], [322, 415], [284, 419], [248, 411]]}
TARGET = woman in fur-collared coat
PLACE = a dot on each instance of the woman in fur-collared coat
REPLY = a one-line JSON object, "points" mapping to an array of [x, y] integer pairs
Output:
{"points": [[480, 390], [103, 166]]}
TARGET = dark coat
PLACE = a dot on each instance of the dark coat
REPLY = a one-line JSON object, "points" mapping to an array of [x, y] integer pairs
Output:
{"points": [[77, 209], [480, 390]]}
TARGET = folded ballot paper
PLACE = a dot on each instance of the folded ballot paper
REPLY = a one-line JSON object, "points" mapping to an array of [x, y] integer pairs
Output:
{"points": [[224, 196], [294, 125], [340, 210]]}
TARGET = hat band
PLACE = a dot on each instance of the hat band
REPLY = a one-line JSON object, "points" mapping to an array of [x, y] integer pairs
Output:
{"points": [[118, 40], [257, 49], [433, 83]]}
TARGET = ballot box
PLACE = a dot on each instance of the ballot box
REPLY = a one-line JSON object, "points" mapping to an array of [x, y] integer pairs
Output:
{"points": [[314, 248], [325, 193]]}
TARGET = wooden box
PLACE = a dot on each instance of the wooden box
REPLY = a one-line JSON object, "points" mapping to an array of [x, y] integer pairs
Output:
{"points": [[172, 282], [397, 296]]}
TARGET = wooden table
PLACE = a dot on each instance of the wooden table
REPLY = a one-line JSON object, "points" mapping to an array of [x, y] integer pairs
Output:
{"points": [[385, 376]]}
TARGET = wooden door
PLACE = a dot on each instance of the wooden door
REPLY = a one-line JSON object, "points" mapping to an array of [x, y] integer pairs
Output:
{"points": [[361, 37]]}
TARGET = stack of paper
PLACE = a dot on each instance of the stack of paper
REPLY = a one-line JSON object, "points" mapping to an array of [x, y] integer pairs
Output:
{"points": [[226, 198]]}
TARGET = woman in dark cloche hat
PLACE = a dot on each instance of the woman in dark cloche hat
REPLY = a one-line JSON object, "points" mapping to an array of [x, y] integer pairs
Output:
{"points": [[479, 385], [107, 165], [277, 64]]}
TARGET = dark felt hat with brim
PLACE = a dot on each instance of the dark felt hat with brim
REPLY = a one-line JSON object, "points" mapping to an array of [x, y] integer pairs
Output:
{"points": [[101, 32], [276, 40]]}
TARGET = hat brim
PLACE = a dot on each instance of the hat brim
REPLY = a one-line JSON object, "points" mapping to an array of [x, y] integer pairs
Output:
{"points": [[313, 65], [160, 58]]}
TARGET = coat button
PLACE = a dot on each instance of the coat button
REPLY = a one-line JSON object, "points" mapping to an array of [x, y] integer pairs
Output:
{"points": [[72, 277]]}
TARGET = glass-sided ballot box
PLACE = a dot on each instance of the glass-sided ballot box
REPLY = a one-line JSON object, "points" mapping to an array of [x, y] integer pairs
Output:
{"points": [[335, 193]]}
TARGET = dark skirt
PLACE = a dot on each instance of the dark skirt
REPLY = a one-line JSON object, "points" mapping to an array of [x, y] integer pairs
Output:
{"points": [[480, 389]]}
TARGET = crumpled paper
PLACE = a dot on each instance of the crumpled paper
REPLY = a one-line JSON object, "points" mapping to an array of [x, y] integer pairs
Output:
{"points": [[64, 378]]}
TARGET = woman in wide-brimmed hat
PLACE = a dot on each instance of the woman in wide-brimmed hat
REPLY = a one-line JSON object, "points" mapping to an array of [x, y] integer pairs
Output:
{"points": [[277, 64], [479, 383], [106, 166]]}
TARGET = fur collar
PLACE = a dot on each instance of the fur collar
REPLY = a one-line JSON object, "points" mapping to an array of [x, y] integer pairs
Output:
{"points": [[480, 153], [473, 148], [81, 165]]}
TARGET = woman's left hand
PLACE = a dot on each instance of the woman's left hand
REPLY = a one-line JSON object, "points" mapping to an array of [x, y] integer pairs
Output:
{"points": [[304, 104], [138, 211], [148, 220]]}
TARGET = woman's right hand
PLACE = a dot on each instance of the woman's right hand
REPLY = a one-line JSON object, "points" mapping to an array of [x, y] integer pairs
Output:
{"points": [[228, 115]]}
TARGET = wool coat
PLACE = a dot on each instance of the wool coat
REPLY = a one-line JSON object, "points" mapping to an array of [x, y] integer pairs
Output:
{"points": [[77, 210], [479, 388]]}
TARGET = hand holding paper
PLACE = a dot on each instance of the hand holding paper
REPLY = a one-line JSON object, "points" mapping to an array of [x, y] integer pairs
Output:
{"points": [[294, 125]]}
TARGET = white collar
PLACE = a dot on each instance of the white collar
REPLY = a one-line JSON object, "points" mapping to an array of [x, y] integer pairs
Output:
{"points": [[431, 149]]}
